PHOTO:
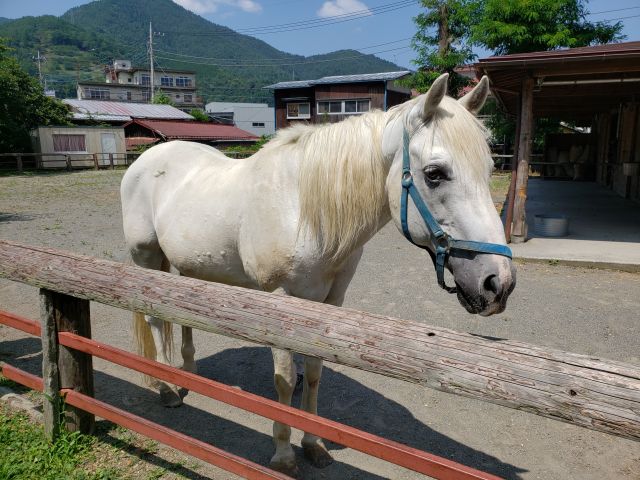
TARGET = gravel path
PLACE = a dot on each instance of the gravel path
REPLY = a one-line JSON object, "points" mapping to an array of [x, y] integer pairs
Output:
{"points": [[579, 310]]}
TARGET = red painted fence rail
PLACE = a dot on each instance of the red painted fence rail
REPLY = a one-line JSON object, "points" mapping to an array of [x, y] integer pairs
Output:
{"points": [[393, 452]]}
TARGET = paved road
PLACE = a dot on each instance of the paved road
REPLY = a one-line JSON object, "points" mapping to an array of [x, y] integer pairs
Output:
{"points": [[584, 311]]}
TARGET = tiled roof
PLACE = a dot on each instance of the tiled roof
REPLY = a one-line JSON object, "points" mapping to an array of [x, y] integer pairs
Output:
{"points": [[364, 77], [125, 109], [172, 130]]}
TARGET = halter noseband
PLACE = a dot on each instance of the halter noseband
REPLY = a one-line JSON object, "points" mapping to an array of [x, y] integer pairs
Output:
{"points": [[443, 243]]}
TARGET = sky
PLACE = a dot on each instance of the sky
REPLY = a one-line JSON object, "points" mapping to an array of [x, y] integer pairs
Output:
{"points": [[380, 27]]}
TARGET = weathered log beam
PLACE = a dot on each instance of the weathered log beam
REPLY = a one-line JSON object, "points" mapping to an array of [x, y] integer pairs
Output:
{"points": [[598, 394]]}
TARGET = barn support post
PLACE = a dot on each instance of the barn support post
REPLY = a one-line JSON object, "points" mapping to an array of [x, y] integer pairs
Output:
{"points": [[19, 163], [525, 127], [63, 367], [111, 161], [512, 184], [68, 160], [95, 162]]}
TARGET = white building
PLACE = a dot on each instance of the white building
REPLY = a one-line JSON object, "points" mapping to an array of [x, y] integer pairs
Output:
{"points": [[257, 118], [127, 83]]}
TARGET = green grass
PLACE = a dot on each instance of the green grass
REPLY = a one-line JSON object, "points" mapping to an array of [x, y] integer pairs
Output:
{"points": [[26, 453]]}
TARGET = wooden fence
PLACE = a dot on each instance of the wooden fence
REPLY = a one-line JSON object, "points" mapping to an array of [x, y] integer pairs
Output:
{"points": [[65, 161], [593, 393]]}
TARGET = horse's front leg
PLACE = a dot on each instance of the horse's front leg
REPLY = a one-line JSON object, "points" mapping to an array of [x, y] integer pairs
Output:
{"points": [[313, 446], [284, 460]]}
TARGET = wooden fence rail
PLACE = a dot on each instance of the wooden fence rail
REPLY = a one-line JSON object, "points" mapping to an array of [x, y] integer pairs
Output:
{"points": [[66, 161], [597, 394]]}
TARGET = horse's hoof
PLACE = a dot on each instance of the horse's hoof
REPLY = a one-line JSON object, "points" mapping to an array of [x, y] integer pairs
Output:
{"points": [[189, 367], [288, 468], [317, 455], [170, 398]]}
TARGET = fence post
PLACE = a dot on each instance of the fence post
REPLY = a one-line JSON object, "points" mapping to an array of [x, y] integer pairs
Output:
{"points": [[19, 163], [95, 161], [73, 369], [68, 159], [111, 161]]}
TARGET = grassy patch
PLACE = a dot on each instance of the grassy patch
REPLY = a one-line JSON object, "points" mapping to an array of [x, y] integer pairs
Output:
{"points": [[26, 453], [114, 453]]}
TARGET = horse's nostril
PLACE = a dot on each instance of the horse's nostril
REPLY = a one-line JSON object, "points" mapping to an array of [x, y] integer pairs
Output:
{"points": [[492, 284]]}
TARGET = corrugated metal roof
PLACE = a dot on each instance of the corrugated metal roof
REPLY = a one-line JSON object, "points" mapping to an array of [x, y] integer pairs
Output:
{"points": [[293, 84], [610, 49], [130, 110], [196, 130], [101, 117], [363, 77]]}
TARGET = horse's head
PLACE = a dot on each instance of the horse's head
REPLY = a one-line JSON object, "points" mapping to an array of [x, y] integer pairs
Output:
{"points": [[444, 163]]}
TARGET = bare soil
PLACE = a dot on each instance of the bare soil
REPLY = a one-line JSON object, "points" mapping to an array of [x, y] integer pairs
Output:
{"points": [[593, 312]]}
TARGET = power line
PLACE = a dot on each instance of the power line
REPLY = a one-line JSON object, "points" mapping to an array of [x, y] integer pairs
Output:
{"points": [[306, 24], [271, 59], [610, 11], [281, 64]]}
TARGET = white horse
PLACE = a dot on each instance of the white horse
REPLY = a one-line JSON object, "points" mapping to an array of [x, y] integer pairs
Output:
{"points": [[293, 218]]}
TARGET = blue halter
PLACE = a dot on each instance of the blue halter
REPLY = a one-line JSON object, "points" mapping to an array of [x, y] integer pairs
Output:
{"points": [[442, 242]]}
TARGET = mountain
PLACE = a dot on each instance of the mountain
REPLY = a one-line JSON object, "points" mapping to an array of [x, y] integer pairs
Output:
{"points": [[4, 20], [229, 66]]}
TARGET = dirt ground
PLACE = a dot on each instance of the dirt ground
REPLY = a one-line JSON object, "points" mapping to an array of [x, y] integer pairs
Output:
{"points": [[584, 311]]}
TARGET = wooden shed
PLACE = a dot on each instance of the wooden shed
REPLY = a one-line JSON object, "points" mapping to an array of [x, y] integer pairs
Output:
{"points": [[597, 87], [332, 99]]}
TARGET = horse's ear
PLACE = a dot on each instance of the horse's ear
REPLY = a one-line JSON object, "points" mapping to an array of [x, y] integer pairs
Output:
{"points": [[435, 95], [474, 100]]}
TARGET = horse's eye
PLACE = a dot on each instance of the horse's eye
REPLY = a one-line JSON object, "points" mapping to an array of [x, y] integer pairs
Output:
{"points": [[434, 174]]}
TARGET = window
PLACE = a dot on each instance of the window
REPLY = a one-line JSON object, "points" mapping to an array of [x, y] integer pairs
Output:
{"points": [[129, 96], [166, 81], [68, 143], [343, 106], [146, 96], [258, 124], [298, 110], [129, 79], [97, 94], [183, 82], [188, 98], [145, 79]]}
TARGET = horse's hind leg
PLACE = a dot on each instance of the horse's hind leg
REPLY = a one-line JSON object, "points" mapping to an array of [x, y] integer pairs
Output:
{"points": [[158, 345], [188, 351]]}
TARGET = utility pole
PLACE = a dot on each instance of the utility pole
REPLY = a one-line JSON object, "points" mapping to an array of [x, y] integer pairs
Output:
{"points": [[151, 59], [38, 59]]}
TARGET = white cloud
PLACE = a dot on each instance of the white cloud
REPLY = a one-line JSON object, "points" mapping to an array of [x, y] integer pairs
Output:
{"points": [[202, 7], [341, 7]]}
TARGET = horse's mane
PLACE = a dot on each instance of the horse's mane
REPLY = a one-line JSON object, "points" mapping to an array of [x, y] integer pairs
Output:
{"points": [[342, 171]]}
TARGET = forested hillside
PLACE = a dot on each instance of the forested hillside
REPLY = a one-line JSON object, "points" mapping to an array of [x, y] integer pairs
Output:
{"points": [[229, 66]]}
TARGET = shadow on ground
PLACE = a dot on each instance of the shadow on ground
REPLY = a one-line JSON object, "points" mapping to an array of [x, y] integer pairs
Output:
{"points": [[250, 368]]}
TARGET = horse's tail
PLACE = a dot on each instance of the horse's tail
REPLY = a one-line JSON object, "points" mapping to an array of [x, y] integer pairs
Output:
{"points": [[145, 344]]}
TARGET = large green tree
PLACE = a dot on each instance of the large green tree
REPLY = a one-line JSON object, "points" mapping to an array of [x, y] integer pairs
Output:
{"points": [[442, 42], [23, 105], [519, 26]]}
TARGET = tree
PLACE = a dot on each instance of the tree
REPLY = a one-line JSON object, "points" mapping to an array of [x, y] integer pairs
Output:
{"points": [[442, 42], [519, 26], [199, 115], [23, 105], [161, 98]]}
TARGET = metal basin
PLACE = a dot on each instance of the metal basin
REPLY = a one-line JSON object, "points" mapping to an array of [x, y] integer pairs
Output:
{"points": [[551, 225]]}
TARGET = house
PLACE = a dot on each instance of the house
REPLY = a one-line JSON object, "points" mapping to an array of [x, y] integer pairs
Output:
{"points": [[147, 132], [84, 145], [596, 87], [331, 99], [127, 83], [257, 118], [119, 113]]}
